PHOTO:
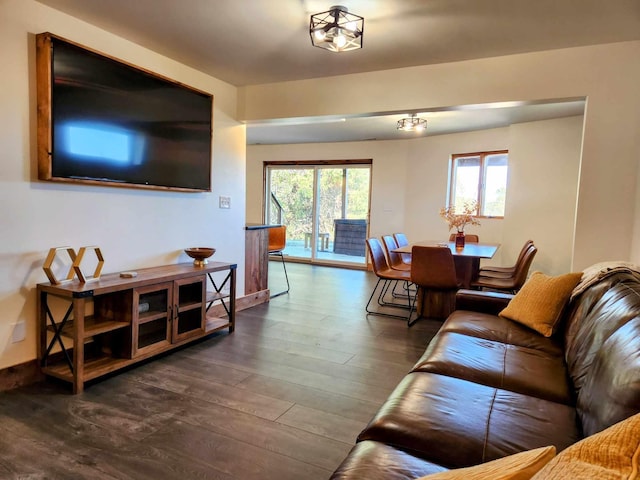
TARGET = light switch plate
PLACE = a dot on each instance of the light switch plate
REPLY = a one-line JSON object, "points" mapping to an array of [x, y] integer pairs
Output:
{"points": [[225, 202], [19, 332]]}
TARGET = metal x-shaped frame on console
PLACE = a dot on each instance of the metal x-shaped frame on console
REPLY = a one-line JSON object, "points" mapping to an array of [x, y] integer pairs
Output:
{"points": [[219, 295], [57, 329]]}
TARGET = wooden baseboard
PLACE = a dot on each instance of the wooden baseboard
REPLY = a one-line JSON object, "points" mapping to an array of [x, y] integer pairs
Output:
{"points": [[20, 375], [29, 372], [348, 266]]}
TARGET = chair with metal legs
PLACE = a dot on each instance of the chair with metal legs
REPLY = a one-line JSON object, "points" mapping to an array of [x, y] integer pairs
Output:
{"points": [[387, 279], [513, 282], [395, 259], [401, 240], [396, 262], [277, 243], [505, 272], [433, 272]]}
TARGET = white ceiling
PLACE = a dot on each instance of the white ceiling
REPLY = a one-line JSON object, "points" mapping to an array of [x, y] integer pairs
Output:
{"points": [[247, 42]]}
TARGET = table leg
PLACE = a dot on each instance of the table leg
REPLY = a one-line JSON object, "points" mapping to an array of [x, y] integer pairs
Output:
{"points": [[467, 269]]}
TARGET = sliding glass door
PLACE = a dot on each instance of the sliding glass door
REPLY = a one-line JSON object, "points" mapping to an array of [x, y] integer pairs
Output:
{"points": [[325, 208]]}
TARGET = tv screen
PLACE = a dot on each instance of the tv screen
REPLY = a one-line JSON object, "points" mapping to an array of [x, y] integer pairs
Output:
{"points": [[114, 123]]}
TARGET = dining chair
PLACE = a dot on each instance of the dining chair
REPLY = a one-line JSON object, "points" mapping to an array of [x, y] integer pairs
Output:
{"points": [[401, 240], [277, 243], [434, 273], [395, 259], [468, 237], [502, 272], [387, 278], [512, 283]]}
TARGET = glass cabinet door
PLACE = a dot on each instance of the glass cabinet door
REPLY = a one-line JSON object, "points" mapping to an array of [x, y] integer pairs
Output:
{"points": [[152, 312], [189, 316]]}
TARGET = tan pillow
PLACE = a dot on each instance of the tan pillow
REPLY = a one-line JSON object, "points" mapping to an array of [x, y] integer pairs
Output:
{"points": [[520, 466], [611, 454], [540, 301]]}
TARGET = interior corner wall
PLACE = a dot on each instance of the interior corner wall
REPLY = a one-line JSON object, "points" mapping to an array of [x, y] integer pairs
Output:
{"points": [[606, 75], [133, 228], [544, 166]]}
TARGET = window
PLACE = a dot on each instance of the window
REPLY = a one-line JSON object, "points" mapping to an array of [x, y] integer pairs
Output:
{"points": [[482, 178]]}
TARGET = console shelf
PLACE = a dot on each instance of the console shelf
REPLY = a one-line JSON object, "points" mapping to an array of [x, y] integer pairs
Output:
{"points": [[92, 326], [114, 322]]}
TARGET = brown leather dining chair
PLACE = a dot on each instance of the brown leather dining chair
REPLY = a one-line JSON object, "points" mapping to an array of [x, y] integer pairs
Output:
{"points": [[468, 237], [401, 240], [395, 259], [277, 243], [387, 279], [502, 272], [512, 283], [434, 273]]}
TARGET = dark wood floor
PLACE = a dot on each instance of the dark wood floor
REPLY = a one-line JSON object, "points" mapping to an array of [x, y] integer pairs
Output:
{"points": [[283, 397]]}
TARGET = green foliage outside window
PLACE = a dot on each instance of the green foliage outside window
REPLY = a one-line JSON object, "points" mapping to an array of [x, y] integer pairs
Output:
{"points": [[293, 188]]}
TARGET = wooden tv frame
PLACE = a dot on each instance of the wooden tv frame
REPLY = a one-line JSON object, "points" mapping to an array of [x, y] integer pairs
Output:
{"points": [[44, 90]]}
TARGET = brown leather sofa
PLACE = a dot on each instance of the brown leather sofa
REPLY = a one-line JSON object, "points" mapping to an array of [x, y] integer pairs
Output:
{"points": [[487, 387]]}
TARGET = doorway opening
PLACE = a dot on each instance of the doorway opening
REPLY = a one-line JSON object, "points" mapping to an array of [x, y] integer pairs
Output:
{"points": [[325, 207]]}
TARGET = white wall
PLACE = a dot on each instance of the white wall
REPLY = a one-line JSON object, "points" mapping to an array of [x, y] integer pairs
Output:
{"points": [[544, 165], [410, 179], [607, 75], [133, 228]]}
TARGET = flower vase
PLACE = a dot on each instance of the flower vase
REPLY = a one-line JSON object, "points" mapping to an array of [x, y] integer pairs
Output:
{"points": [[460, 240]]}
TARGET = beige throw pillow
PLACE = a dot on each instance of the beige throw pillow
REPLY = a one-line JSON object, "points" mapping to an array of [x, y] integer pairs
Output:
{"points": [[520, 466], [611, 454], [541, 300]]}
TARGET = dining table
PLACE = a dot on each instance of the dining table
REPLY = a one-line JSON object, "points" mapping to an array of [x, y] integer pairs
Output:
{"points": [[466, 258]]}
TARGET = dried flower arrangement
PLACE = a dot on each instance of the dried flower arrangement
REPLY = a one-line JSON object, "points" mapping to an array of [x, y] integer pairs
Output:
{"points": [[460, 220]]}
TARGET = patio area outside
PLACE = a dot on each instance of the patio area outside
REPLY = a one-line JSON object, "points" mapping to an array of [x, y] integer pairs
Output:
{"points": [[297, 248]]}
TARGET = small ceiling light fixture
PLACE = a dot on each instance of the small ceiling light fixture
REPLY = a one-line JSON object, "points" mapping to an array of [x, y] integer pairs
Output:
{"points": [[412, 124], [336, 30]]}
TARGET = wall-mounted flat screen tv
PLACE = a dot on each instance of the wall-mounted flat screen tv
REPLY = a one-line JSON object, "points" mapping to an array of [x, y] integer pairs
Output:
{"points": [[102, 121]]}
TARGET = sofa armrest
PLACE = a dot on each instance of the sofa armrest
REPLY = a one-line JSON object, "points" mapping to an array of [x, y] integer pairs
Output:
{"points": [[479, 301]]}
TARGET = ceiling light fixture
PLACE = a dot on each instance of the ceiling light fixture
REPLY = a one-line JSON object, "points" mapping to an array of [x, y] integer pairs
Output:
{"points": [[412, 124], [336, 30]]}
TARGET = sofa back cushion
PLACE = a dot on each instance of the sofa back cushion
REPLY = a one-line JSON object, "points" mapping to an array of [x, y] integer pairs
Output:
{"points": [[602, 340], [541, 301]]}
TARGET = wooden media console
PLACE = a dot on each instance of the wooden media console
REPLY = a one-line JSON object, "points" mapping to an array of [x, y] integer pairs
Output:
{"points": [[104, 325]]}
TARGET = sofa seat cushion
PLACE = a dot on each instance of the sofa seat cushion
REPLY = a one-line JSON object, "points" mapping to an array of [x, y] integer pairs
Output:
{"points": [[493, 327], [457, 423], [509, 367], [374, 460]]}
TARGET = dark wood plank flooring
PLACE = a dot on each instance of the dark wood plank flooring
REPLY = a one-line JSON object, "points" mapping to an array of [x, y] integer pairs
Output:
{"points": [[283, 397]]}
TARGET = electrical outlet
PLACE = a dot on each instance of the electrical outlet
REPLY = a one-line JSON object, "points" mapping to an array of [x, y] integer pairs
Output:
{"points": [[225, 202], [19, 332]]}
